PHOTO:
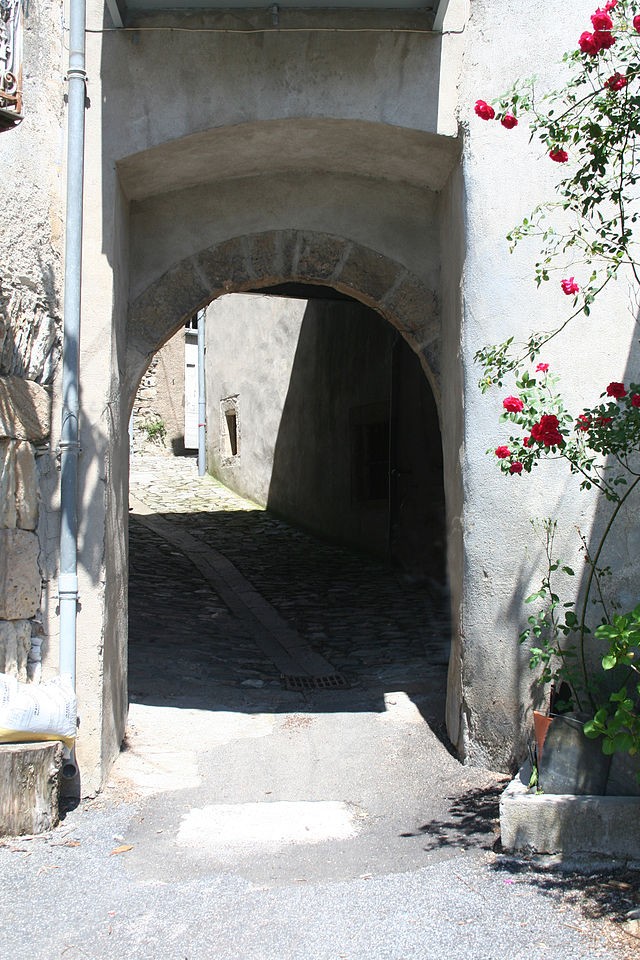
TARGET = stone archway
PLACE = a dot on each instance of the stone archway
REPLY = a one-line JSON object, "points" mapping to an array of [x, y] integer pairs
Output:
{"points": [[278, 256], [258, 260]]}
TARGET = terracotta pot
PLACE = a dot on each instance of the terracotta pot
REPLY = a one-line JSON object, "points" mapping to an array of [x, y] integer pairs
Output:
{"points": [[541, 724]]}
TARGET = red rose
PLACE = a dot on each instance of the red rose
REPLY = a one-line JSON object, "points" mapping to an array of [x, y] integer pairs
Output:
{"points": [[559, 155], [604, 421], [635, 400], [526, 441], [509, 121], [588, 44], [604, 39], [513, 404], [502, 453], [546, 431], [616, 390], [542, 368], [484, 110], [569, 286], [584, 422], [610, 5], [516, 467], [601, 20], [636, 22], [616, 82]]}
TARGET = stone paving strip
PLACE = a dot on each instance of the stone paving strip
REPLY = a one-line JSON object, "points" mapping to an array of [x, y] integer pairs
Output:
{"points": [[284, 646]]}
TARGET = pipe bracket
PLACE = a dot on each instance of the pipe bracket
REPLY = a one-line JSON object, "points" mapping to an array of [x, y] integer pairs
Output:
{"points": [[67, 586]]}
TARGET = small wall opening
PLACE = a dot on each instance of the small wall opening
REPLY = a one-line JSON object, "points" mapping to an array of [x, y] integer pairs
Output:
{"points": [[229, 428]]}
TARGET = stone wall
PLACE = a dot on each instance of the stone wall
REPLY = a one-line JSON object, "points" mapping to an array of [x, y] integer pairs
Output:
{"points": [[31, 232], [24, 428], [158, 409]]}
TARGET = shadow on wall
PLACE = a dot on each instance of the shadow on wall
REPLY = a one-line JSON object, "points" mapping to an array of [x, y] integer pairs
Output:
{"points": [[358, 456], [618, 586]]}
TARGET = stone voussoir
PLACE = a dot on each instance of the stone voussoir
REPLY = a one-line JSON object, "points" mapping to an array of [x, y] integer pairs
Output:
{"points": [[226, 267], [370, 273], [320, 256]]}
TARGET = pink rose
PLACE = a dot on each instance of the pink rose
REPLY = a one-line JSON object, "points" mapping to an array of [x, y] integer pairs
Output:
{"points": [[516, 467], [635, 400], [588, 44], [569, 286], [559, 155], [604, 39], [502, 453], [616, 390], [616, 82], [509, 121], [542, 368], [513, 404], [601, 20], [547, 431], [583, 423], [484, 110]]}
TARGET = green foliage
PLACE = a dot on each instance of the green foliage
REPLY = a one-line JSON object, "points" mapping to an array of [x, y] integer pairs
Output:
{"points": [[155, 431]]}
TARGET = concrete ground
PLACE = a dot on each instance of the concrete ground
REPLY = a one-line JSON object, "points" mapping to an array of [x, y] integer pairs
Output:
{"points": [[246, 820]]}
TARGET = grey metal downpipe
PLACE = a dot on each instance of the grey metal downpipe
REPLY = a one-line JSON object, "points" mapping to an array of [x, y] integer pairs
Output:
{"points": [[69, 433], [202, 405]]}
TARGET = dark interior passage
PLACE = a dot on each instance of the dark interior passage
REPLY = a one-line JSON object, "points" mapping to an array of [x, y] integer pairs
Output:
{"points": [[335, 428]]}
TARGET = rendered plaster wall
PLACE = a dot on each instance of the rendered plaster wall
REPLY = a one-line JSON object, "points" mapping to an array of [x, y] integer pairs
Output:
{"points": [[300, 372], [30, 321], [500, 559]]}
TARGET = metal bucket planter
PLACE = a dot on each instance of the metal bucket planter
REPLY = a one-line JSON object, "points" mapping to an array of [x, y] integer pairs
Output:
{"points": [[570, 762]]}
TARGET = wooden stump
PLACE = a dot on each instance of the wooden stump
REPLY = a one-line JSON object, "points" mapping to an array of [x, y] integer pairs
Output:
{"points": [[29, 787]]}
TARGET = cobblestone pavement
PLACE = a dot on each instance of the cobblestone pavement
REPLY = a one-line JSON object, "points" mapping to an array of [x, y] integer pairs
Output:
{"points": [[368, 621]]}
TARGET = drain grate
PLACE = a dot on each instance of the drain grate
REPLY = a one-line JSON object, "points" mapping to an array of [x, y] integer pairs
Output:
{"points": [[333, 681]]}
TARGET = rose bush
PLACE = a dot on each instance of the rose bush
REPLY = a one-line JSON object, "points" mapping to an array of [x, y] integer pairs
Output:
{"points": [[592, 124]]}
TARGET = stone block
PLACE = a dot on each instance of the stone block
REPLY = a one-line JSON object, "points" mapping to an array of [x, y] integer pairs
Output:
{"points": [[568, 825], [26, 486], [265, 255], [25, 410], [320, 257], [15, 644], [369, 273], [226, 267], [20, 581], [29, 787], [8, 512]]}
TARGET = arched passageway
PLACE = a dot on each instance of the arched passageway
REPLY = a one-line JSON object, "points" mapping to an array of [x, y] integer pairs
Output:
{"points": [[318, 266], [383, 632]]}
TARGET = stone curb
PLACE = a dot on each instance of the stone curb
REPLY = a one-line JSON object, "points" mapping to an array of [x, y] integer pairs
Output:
{"points": [[568, 825]]}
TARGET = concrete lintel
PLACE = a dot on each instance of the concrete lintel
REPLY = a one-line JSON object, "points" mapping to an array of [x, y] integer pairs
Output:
{"points": [[117, 11], [441, 12], [571, 826]]}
